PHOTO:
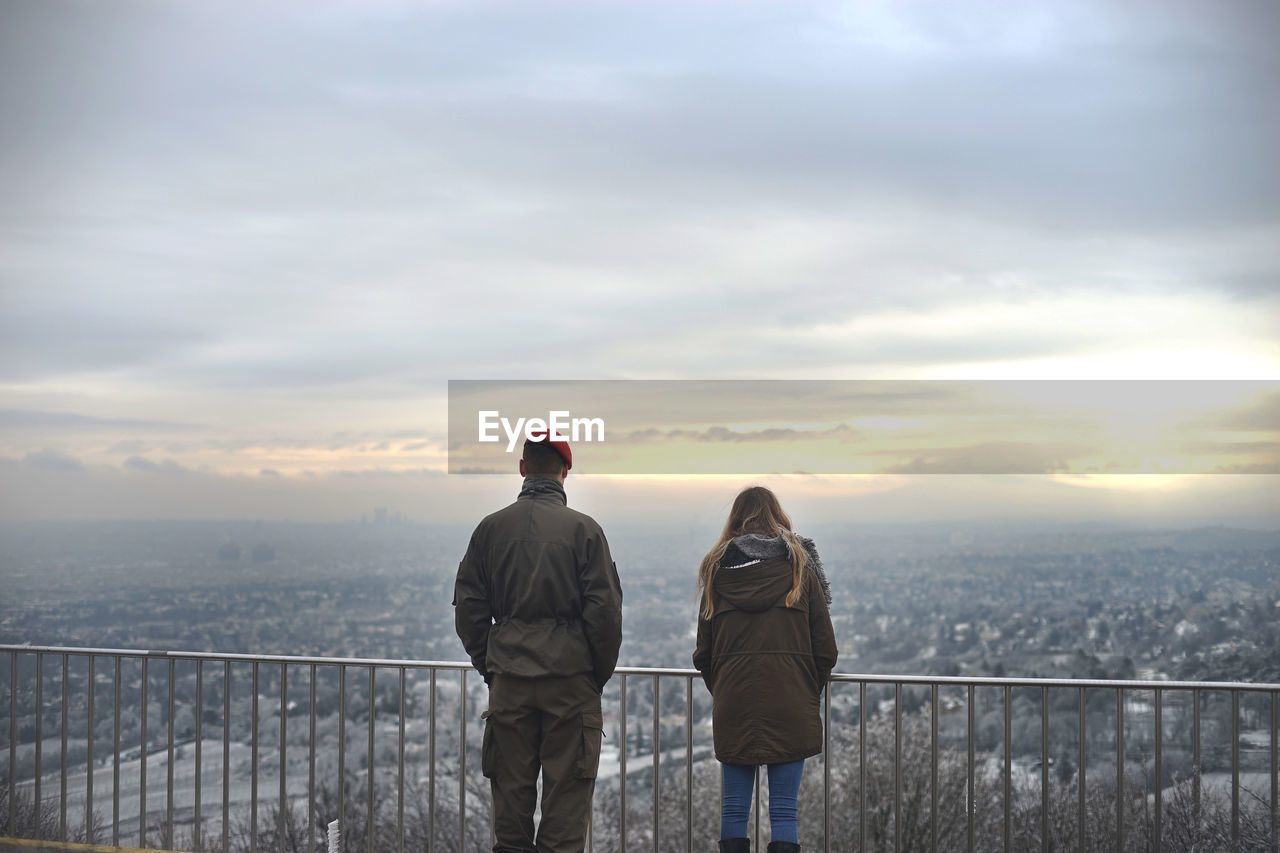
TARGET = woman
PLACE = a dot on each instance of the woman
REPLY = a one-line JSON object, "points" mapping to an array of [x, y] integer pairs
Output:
{"points": [[765, 650]]}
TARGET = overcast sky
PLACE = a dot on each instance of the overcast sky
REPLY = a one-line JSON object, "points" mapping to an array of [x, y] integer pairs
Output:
{"points": [[248, 244]]}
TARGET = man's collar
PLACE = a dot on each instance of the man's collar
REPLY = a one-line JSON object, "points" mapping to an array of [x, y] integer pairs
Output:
{"points": [[538, 485]]}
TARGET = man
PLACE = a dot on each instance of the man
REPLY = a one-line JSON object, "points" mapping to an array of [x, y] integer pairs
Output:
{"points": [[538, 607]]}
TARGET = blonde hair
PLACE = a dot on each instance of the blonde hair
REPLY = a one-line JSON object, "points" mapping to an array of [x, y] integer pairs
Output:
{"points": [[754, 510]]}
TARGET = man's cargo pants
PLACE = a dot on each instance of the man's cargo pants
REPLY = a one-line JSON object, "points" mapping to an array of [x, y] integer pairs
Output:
{"points": [[552, 724]]}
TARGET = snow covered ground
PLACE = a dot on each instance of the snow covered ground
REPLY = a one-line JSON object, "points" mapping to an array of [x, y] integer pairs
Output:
{"points": [[239, 788]]}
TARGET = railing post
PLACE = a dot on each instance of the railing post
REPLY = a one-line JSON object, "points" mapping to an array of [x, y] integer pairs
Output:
{"points": [[826, 768], [897, 766], [933, 768], [431, 761], [226, 753], [462, 765], [1008, 768], [88, 762], [688, 761], [862, 765], [197, 824], [311, 763], [37, 800], [1158, 804], [284, 715], [971, 794], [115, 760], [1275, 772], [622, 765], [657, 735], [400, 767], [756, 800], [62, 783], [253, 765], [1195, 760], [368, 816], [169, 757], [1044, 769], [1235, 767], [13, 736], [1080, 776], [342, 746], [1119, 768], [142, 757]]}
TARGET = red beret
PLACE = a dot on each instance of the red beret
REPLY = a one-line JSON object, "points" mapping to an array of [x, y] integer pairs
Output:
{"points": [[562, 447]]}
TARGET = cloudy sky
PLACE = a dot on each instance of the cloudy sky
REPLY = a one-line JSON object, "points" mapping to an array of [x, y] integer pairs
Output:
{"points": [[244, 247]]}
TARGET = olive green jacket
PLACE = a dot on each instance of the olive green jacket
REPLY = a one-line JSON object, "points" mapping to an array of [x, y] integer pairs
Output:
{"points": [[537, 593], [765, 663]]}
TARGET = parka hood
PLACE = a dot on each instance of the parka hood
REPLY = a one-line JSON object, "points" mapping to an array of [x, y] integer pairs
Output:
{"points": [[757, 586]]}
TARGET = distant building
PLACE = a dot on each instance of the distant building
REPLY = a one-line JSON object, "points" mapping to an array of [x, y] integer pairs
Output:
{"points": [[263, 554], [229, 553]]}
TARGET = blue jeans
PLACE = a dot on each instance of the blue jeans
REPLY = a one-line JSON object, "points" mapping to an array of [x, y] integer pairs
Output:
{"points": [[784, 790]]}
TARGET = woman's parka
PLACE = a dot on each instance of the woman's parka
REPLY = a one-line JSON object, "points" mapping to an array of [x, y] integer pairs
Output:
{"points": [[766, 664]]}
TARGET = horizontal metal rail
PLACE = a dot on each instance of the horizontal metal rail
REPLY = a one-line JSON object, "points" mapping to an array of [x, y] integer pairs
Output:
{"points": [[390, 663], [338, 770]]}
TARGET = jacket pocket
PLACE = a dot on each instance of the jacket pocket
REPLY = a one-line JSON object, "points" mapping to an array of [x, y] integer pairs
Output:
{"points": [[589, 749], [488, 748]]}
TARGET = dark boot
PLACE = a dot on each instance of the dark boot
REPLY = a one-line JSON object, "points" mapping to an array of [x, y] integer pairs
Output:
{"points": [[735, 845], [783, 847]]}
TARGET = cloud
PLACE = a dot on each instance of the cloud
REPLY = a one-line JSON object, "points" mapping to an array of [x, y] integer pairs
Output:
{"points": [[268, 472], [1255, 468], [1252, 285], [50, 337], [321, 234], [721, 434], [131, 446], [31, 419], [881, 159], [990, 458], [1260, 415], [1232, 448], [140, 463], [385, 473], [112, 493], [167, 466], [52, 460]]}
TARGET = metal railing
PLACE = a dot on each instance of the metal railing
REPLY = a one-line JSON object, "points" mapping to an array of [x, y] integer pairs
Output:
{"points": [[894, 790]]}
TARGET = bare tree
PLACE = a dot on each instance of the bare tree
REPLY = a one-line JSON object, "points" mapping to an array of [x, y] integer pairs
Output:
{"points": [[30, 819], [918, 822]]}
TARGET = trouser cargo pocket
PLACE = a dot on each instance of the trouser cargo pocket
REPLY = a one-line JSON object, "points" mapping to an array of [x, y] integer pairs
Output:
{"points": [[488, 748], [589, 755]]}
